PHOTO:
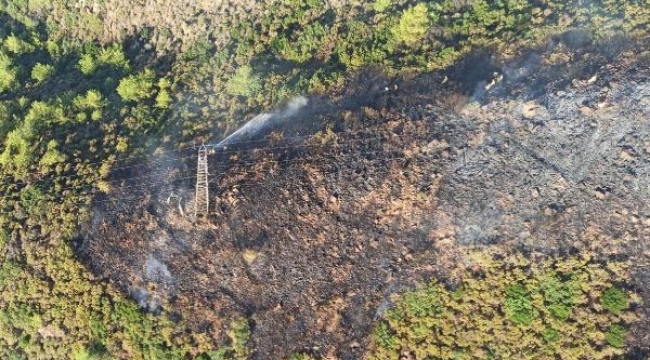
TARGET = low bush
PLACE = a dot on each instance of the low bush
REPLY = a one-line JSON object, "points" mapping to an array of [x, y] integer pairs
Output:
{"points": [[615, 300]]}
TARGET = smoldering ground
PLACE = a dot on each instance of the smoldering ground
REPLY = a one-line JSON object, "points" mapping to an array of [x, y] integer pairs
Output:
{"points": [[308, 241]]}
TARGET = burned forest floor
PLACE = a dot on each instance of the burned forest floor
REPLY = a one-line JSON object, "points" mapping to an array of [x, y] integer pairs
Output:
{"points": [[316, 223]]}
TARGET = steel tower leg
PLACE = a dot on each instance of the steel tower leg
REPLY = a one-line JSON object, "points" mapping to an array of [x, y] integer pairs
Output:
{"points": [[202, 199]]}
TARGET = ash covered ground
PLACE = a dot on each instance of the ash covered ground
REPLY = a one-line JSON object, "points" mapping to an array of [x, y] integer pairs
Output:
{"points": [[548, 154]]}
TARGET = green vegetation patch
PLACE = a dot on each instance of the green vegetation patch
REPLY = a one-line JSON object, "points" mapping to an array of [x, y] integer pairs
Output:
{"points": [[412, 26], [615, 300], [41, 72], [519, 305], [541, 310], [137, 87], [243, 82], [616, 336], [560, 295], [8, 73]]}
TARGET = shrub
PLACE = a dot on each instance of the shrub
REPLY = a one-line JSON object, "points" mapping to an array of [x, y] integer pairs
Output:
{"points": [[38, 5], [243, 82], [52, 155], [8, 73], [381, 5], [41, 72], [31, 196], [422, 303], [519, 306], [383, 336], [412, 26], [113, 56], [559, 295], [550, 335], [17, 46], [87, 64], [122, 145], [219, 354], [301, 46], [239, 334], [615, 300], [200, 51], [615, 336], [137, 87], [163, 99]]}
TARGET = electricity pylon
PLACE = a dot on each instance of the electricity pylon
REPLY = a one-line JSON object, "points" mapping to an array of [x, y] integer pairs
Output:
{"points": [[202, 199]]}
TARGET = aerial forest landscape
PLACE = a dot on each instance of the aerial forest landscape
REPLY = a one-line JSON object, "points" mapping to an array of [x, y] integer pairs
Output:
{"points": [[306, 179]]}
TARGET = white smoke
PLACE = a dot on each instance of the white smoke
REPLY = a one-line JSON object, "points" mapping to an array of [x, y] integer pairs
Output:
{"points": [[146, 300], [156, 270], [264, 121]]}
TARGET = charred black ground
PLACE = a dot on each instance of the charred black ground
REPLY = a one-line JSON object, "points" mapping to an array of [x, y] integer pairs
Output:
{"points": [[308, 238]]}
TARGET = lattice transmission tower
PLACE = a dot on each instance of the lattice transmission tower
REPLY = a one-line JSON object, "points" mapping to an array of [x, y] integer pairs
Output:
{"points": [[202, 199]]}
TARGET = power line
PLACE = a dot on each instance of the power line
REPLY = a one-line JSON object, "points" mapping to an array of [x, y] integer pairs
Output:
{"points": [[257, 162], [194, 147], [113, 169], [176, 178], [265, 187], [286, 147], [244, 172], [114, 181], [268, 188], [137, 186], [256, 184], [177, 175]]}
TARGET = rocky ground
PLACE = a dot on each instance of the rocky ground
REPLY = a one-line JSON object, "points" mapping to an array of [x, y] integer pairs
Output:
{"points": [[547, 154]]}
